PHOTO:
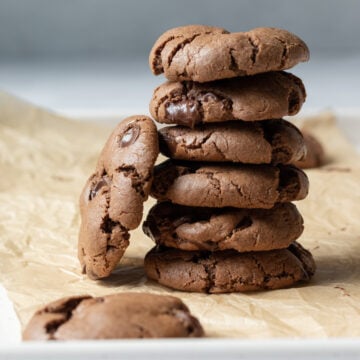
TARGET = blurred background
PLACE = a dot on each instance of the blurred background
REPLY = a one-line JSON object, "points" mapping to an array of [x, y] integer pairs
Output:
{"points": [[81, 56]]}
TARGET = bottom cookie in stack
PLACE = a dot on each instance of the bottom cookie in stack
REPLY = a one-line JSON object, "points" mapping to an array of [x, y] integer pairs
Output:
{"points": [[226, 249], [229, 271]]}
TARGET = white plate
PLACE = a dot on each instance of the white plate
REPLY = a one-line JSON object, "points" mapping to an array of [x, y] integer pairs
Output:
{"points": [[209, 349]]}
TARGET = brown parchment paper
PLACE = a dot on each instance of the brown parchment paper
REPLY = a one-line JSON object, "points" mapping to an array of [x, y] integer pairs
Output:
{"points": [[44, 162]]}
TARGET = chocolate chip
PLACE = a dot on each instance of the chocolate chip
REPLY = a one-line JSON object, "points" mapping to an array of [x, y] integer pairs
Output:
{"points": [[151, 230], [105, 181], [209, 97], [130, 135], [185, 112], [294, 102]]}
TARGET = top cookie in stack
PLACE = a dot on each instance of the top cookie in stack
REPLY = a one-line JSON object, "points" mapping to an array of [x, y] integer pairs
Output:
{"points": [[225, 222], [207, 53]]}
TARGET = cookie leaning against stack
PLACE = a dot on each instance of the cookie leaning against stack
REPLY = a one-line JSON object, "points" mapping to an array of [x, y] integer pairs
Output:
{"points": [[111, 202], [224, 221]]}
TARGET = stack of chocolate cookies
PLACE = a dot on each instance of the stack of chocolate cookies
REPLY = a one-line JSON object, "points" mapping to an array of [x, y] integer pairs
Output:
{"points": [[224, 221]]}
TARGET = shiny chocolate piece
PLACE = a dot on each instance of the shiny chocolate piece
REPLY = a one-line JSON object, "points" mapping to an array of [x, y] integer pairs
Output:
{"points": [[209, 96], [185, 112], [130, 135], [104, 181]]}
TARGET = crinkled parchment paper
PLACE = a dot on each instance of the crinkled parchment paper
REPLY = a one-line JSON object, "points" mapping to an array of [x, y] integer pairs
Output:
{"points": [[44, 162]]}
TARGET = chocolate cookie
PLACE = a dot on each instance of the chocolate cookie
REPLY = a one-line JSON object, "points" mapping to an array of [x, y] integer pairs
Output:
{"points": [[126, 315], [112, 200], [315, 155], [205, 53], [250, 98], [189, 228], [229, 271], [240, 186], [263, 142]]}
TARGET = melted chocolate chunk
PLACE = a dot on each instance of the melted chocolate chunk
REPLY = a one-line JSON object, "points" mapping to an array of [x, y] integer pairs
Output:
{"points": [[130, 135], [210, 97], [150, 228], [105, 181], [182, 220], [185, 112]]}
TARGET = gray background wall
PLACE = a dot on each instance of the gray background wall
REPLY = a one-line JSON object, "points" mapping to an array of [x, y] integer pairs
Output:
{"points": [[116, 28], [92, 54]]}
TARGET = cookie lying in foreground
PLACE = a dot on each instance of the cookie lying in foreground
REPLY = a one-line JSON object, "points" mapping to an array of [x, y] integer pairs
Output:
{"points": [[112, 200], [207, 53], [229, 271], [125, 315]]}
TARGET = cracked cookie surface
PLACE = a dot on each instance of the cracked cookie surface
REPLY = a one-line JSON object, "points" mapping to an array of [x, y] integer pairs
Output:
{"points": [[263, 142], [192, 229], [205, 53], [229, 271], [111, 203], [250, 98], [125, 315], [240, 186]]}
